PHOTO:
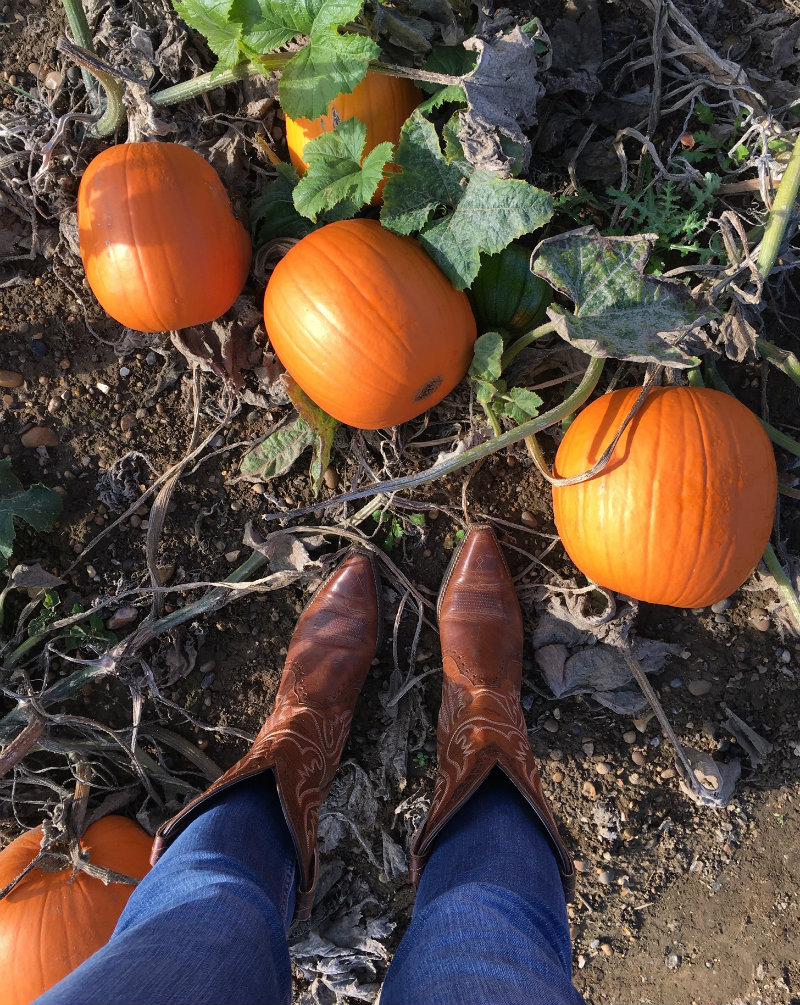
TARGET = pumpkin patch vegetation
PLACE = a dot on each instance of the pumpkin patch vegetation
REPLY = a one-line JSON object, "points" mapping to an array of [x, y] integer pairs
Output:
{"points": [[381, 102], [159, 241], [683, 510], [365, 322], [51, 921]]}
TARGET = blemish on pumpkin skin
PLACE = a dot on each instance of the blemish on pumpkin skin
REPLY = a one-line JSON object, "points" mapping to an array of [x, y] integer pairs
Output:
{"points": [[428, 388]]}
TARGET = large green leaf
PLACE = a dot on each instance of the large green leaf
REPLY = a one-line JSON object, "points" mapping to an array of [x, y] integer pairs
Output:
{"points": [[619, 311], [460, 212], [38, 506]]}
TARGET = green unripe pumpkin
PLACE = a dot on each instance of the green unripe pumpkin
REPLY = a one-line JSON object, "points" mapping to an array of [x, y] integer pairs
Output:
{"points": [[506, 296]]}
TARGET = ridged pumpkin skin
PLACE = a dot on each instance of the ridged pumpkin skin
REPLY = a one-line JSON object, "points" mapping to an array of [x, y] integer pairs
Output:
{"points": [[369, 327], [159, 242], [381, 102], [683, 511], [506, 296], [48, 924]]}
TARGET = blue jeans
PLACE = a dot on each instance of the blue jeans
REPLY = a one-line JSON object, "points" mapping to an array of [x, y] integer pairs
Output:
{"points": [[208, 924]]}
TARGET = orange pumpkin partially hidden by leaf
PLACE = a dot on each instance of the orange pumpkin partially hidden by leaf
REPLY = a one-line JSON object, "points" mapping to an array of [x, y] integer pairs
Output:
{"points": [[367, 324], [50, 923], [381, 102], [683, 510], [159, 242]]}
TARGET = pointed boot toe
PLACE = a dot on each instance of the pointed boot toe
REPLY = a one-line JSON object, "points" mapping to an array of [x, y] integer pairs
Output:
{"points": [[301, 742], [481, 725]]}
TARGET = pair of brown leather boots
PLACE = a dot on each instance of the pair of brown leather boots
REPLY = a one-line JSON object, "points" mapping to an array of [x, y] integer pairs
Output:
{"points": [[481, 725]]}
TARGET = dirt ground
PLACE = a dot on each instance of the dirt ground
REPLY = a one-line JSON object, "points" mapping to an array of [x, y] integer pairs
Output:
{"points": [[676, 903]]}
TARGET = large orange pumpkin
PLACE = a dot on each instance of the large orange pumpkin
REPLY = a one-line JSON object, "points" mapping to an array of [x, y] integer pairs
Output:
{"points": [[684, 509], [381, 102], [365, 322], [50, 923], [159, 241]]}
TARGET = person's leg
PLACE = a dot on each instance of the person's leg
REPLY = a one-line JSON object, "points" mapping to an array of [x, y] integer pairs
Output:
{"points": [[208, 923], [490, 922]]}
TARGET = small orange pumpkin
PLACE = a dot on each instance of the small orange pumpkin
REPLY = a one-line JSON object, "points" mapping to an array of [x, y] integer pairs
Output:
{"points": [[159, 242], [367, 324], [50, 923], [381, 102], [683, 510]]}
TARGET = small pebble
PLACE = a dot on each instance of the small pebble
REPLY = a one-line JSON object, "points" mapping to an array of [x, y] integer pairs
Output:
{"points": [[124, 371], [721, 606], [556, 754], [638, 758], [53, 80], [667, 773], [759, 619], [37, 348], [605, 949], [151, 359], [529, 519], [231, 556], [33, 68], [699, 687], [54, 404], [588, 790], [602, 768], [588, 748], [39, 436], [550, 725], [331, 478], [10, 378], [580, 865], [558, 777], [208, 680], [207, 701], [135, 522], [102, 388], [127, 422], [91, 572], [121, 617], [606, 877], [202, 744], [721, 619], [629, 736], [673, 961], [786, 656], [581, 962]]}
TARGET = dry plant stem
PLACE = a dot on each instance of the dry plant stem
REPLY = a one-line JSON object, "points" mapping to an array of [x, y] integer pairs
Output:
{"points": [[451, 464], [682, 760], [79, 26], [784, 584], [781, 213], [114, 115], [80, 800], [539, 460]]}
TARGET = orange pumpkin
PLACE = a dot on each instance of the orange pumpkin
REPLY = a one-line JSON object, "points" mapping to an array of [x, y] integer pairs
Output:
{"points": [[684, 509], [50, 923], [159, 242], [365, 322], [381, 102]]}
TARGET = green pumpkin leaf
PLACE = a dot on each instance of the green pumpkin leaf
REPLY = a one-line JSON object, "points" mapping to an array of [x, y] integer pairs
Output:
{"points": [[336, 173], [278, 452], [217, 21], [460, 212], [619, 311], [323, 426], [273, 213], [487, 357], [38, 506], [521, 404]]}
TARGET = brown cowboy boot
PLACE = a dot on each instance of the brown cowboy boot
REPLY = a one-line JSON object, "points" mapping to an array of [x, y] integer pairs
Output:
{"points": [[481, 725], [302, 740]]}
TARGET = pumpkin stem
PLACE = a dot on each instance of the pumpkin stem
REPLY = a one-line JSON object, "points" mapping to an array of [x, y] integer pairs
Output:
{"points": [[784, 360], [784, 584], [114, 115], [780, 214], [79, 26], [523, 342]]}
